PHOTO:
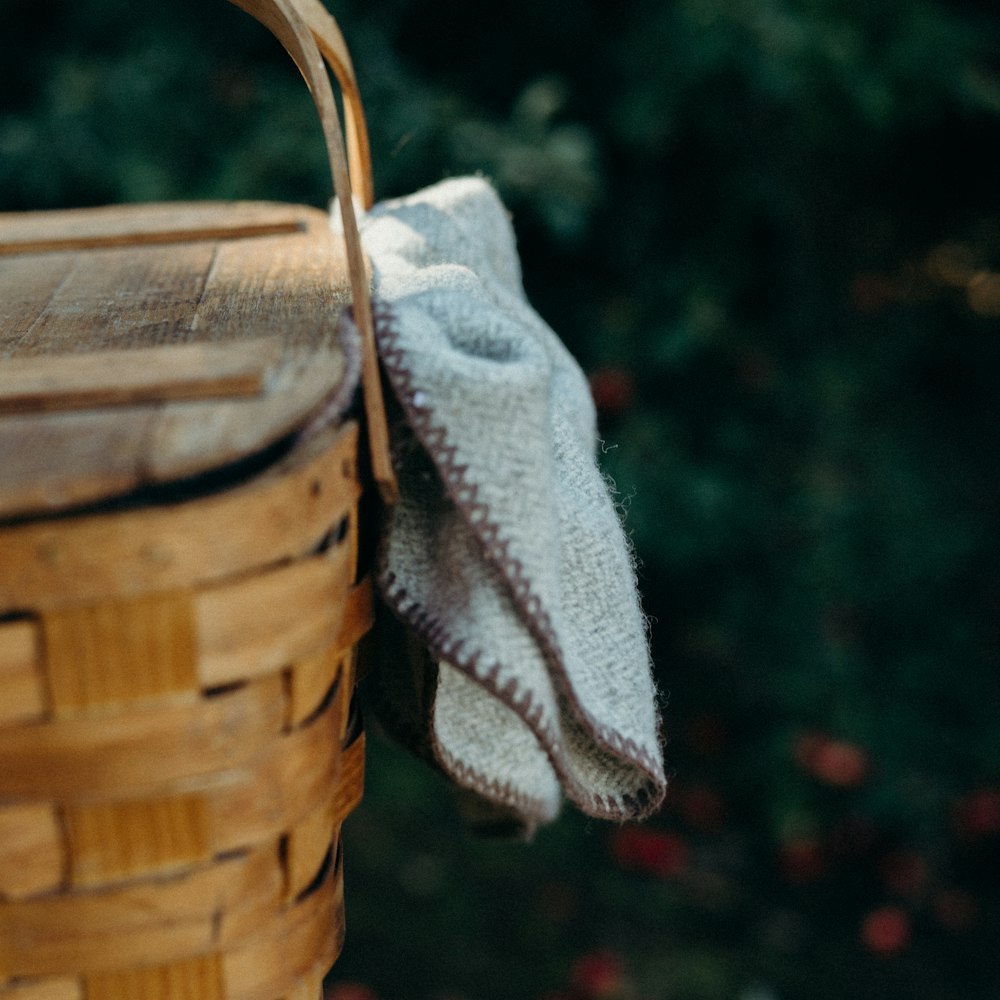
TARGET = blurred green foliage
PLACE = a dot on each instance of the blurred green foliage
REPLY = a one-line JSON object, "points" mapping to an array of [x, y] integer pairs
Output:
{"points": [[770, 229]]}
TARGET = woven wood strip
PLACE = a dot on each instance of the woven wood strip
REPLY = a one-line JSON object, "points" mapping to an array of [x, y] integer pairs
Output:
{"points": [[32, 859], [306, 845], [87, 228], [245, 629], [351, 785], [195, 914], [295, 776], [282, 514], [190, 979], [114, 840], [296, 781], [260, 624], [48, 989], [142, 752], [310, 988], [306, 937], [134, 376], [309, 683], [120, 651], [22, 694]]}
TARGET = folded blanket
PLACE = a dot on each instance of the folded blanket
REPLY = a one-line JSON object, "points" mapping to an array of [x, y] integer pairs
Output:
{"points": [[505, 557]]}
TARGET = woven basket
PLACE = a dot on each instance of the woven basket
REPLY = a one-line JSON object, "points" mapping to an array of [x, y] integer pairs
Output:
{"points": [[177, 661]]}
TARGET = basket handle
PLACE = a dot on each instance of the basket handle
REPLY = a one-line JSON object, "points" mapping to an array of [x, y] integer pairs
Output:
{"points": [[309, 34]]}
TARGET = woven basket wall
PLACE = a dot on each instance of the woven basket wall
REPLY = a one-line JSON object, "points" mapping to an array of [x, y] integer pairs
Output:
{"points": [[177, 750]]}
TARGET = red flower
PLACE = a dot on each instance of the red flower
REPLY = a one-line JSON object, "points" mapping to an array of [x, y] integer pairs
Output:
{"points": [[646, 849], [613, 389], [886, 931], [802, 860], [834, 762], [598, 976]]}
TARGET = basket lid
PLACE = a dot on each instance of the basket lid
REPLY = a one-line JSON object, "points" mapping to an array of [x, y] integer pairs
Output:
{"points": [[147, 343]]}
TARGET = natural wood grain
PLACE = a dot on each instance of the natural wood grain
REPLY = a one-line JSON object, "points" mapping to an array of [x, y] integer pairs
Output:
{"points": [[112, 841], [188, 979], [22, 696], [145, 224], [351, 785], [309, 988], [289, 782], [134, 925], [281, 515], [120, 651], [176, 668], [258, 625], [121, 378], [25, 290], [306, 845], [307, 937], [53, 461], [31, 855], [124, 297], [145, 751], [298, 25], [310, 681], [132, 423], [245, 629], [46, 989]]}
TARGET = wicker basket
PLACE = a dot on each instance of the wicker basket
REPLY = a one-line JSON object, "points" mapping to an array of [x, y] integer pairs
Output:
{"points": [[177, 660]]}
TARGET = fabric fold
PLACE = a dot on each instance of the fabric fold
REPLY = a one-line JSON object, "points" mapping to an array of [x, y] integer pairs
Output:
{"points": [[505, 555]]}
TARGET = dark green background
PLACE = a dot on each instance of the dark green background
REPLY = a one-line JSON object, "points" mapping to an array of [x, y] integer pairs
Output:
{"points": [[769, 229]]}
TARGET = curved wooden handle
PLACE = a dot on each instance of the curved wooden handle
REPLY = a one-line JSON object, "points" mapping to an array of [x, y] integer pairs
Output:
{"points": [[309, 34], [285, 20]]}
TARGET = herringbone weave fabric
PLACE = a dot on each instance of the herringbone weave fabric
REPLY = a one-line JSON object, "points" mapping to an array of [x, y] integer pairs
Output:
{"points": [[505, 555]]}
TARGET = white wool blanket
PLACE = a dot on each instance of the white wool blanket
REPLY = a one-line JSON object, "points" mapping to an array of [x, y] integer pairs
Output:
{"points": [[505, 557]]}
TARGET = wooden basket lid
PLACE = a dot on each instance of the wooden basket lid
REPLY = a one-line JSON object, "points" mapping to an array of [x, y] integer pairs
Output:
{"points": [[147, 343]]}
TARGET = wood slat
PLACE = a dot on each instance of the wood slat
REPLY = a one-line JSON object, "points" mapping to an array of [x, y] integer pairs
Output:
{"points": [[111, 841], [189, 979], [281, 515], [219, 289], [306, 845], [310, 681], [25, 290], [32, 859], [143, 752], [142, 923], [260, 624], [117, 298], [245, 629], [46, 989], [22, 694], [295, 780], [309, 988], [351, 784], [245, 807], [128, 377], [307, 937], [53, 461], [157, 223], [120, 651]]}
